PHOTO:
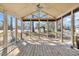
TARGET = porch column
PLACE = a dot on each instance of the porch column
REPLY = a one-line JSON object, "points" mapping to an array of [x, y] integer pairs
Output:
{"points": [[30, 28], [55, 29], [39, 28], [62, 29], [16, 30], [47, 28], [5, 33], [21, 29], [72, 28]]}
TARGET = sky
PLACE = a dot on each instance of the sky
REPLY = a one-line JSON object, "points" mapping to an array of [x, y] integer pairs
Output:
{"points": [[1, 18], [67, 21], [13, 20], [77, 19]]}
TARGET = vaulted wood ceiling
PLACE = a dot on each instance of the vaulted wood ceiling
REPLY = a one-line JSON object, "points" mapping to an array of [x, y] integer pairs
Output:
{"points": [[23, 9]]}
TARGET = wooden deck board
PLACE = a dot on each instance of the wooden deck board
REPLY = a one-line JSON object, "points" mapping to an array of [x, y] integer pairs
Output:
{"points": [[29, 50], [45, 50], [35, 50], [40, 50]]}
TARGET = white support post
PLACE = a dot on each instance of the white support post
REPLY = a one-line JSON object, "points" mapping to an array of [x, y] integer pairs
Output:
{"points": [[47, 28], [30, 28], [16, 30], [55, 29], [5, 33], [72, 28], [62, 29], [39, 28], [21, 29]]}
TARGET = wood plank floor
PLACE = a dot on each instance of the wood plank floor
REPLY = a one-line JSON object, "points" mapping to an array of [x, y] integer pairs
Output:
{"points": [[27, 49]]}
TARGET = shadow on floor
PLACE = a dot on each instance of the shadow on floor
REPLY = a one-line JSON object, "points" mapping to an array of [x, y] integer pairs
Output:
{"points": [[28, 49]]}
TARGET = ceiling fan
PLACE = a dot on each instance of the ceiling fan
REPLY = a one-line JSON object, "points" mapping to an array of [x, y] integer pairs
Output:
{"points": [[39, 6]]}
